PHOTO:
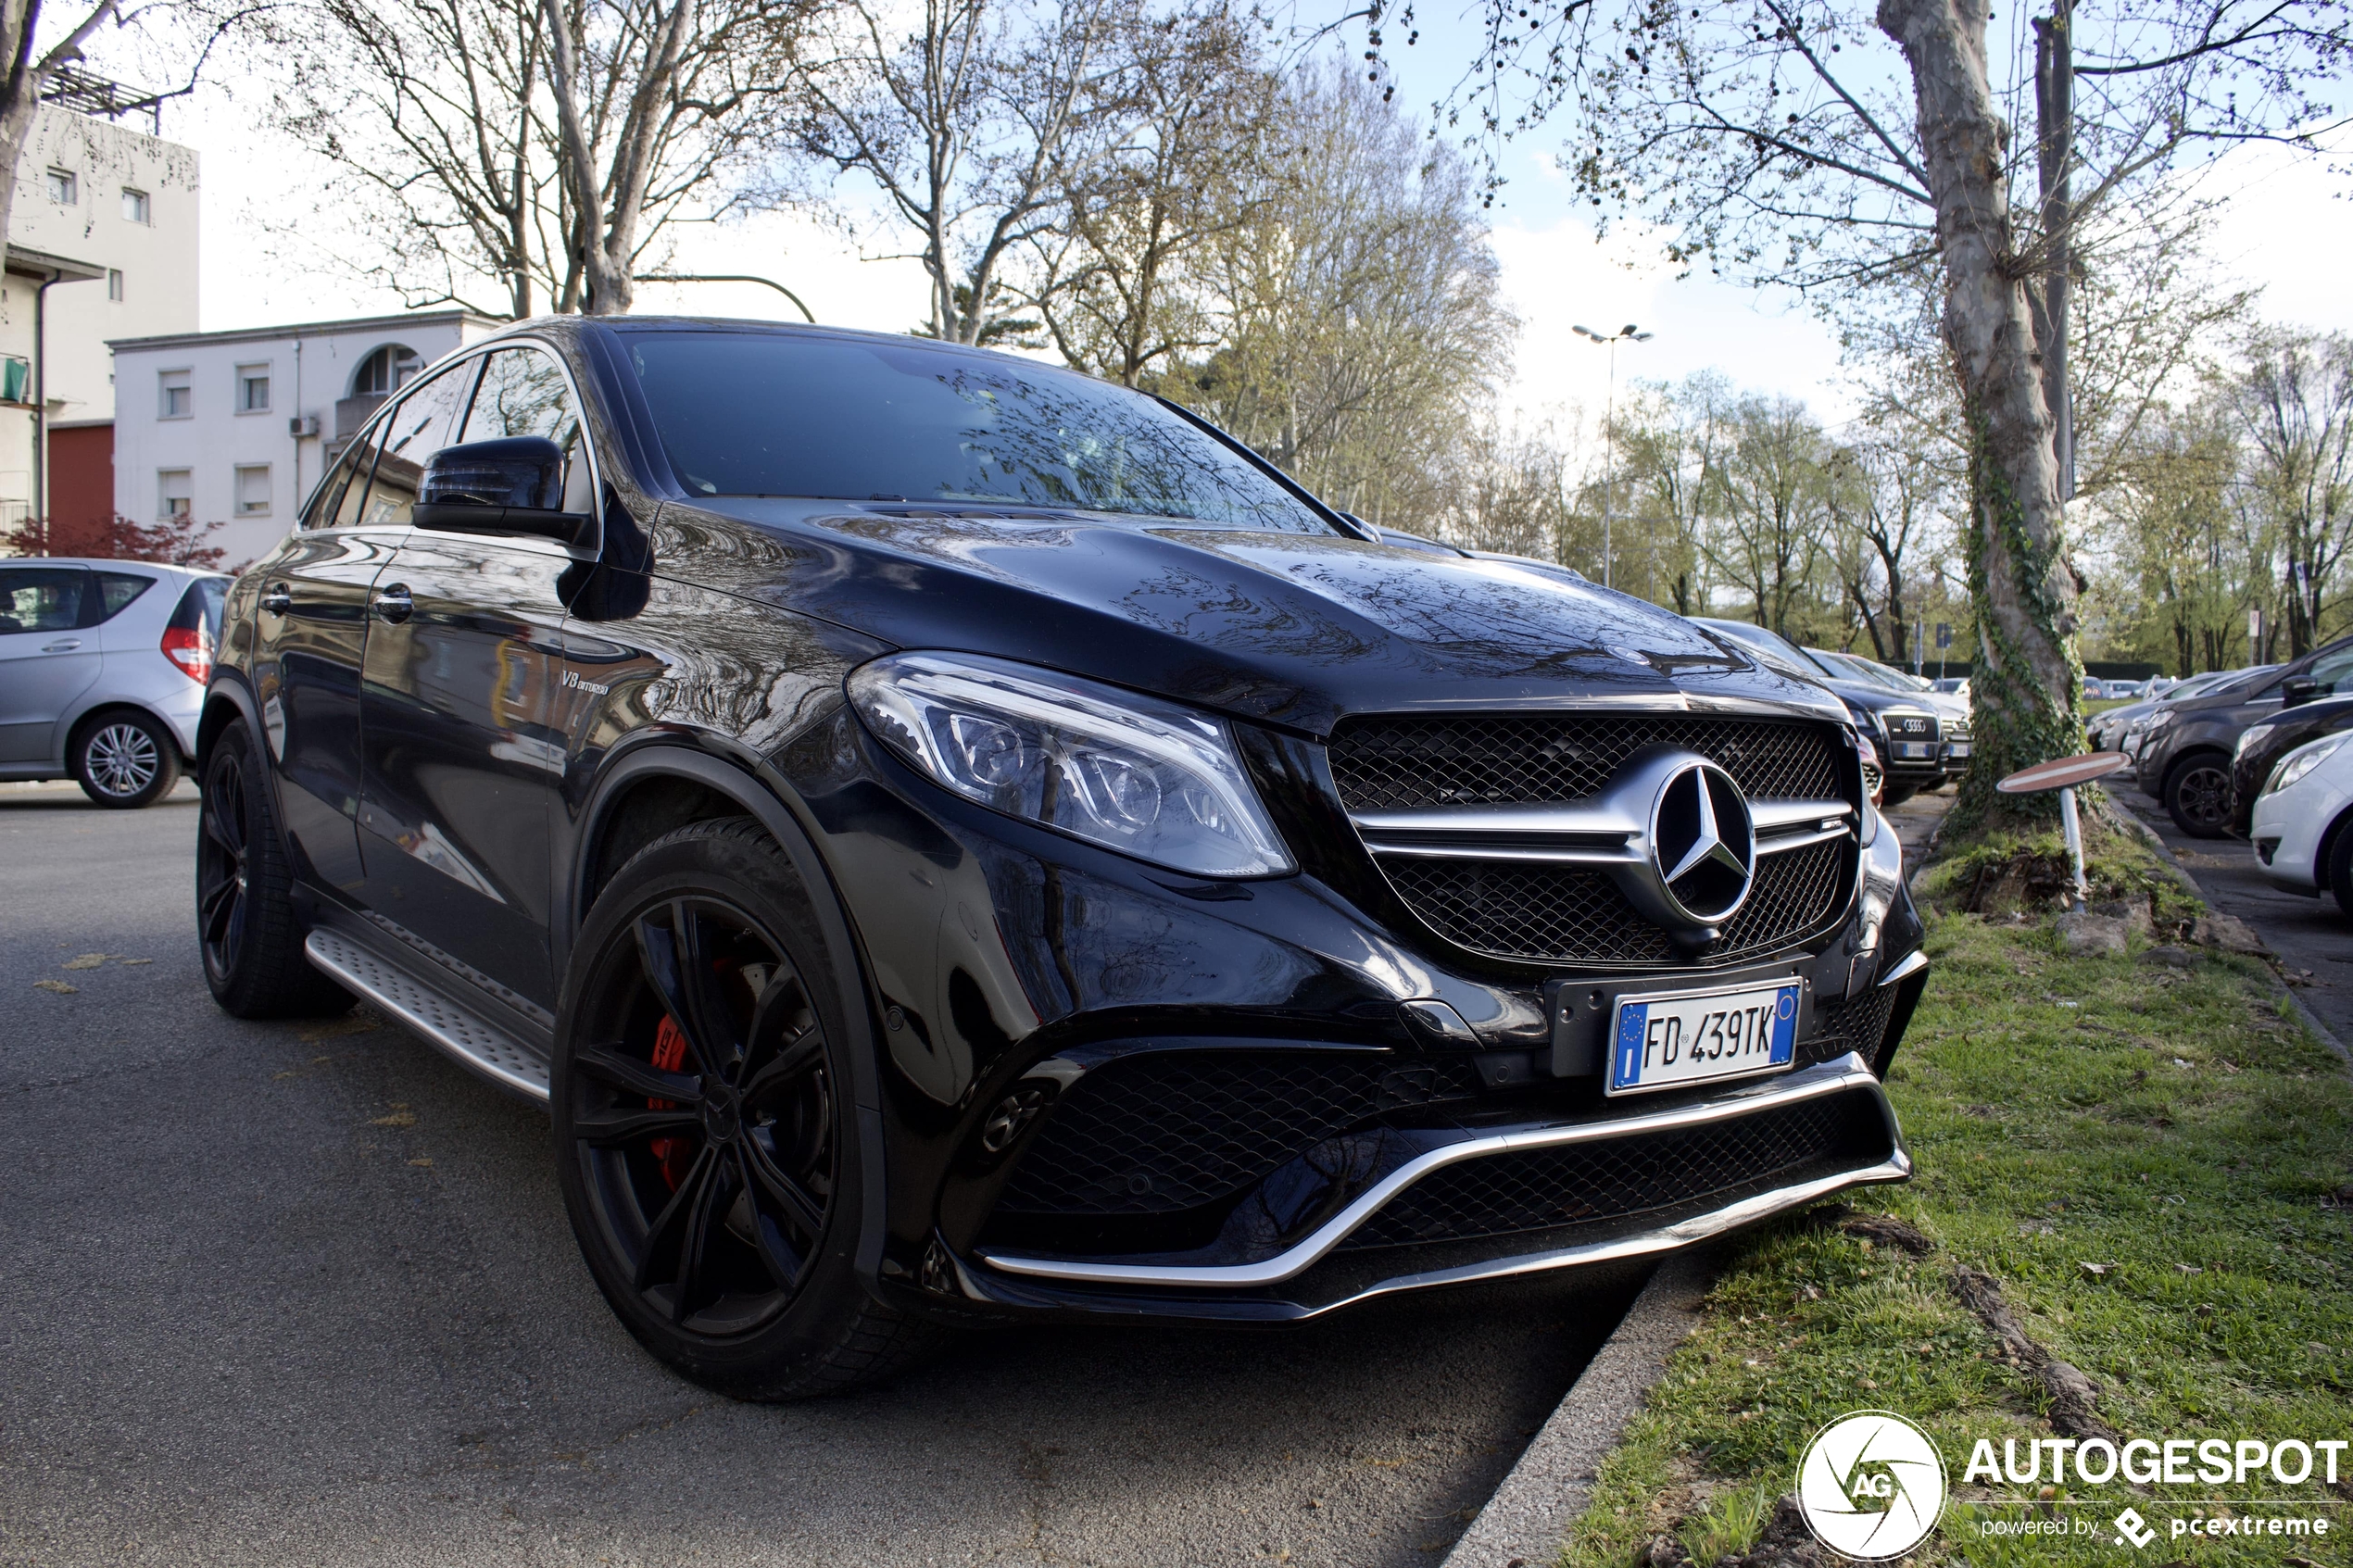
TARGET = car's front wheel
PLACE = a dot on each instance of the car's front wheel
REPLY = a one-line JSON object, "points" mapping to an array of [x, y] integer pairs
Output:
{"points": [[708, 1148], [2197, 795], [125, 759], [246, 927]]}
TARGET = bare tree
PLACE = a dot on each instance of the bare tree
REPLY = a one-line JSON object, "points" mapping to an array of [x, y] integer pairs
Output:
{"points": [[1671, 442], [1358, 306], [1114, 284], [1883, 498], [1771, 537], [973, 128], [2294, 401], [541, 148]]}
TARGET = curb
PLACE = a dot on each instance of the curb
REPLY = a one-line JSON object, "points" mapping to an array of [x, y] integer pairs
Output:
{"points": [[1527, 1519], [2311, 1020]]}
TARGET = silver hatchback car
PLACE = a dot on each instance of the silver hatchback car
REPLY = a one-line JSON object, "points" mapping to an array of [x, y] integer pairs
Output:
{"points": [[103, 665]]}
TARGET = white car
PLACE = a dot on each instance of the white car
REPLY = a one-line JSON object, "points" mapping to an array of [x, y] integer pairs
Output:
{"points": [[103, 665], [2299, 818]]}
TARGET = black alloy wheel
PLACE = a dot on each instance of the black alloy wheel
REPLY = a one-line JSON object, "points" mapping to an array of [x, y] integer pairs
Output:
{"points": [[708, 1157], [125, 759], [2197, 795], [247, 929]]}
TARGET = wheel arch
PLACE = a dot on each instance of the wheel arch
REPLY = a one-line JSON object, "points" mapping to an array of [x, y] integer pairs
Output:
{"points": [[667, 777], [2325, 849]]}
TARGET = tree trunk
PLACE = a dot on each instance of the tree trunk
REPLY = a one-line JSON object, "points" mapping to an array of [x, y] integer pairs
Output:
{"points": [[2024, 687]]}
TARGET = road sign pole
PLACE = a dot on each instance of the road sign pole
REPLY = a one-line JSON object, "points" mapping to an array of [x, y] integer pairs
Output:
{"points": [[2073, 827]]}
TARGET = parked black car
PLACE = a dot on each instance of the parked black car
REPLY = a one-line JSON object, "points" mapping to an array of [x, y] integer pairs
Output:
{"points": [[2185, 758], [952, 839], [2261, 747], [1909, 734]]}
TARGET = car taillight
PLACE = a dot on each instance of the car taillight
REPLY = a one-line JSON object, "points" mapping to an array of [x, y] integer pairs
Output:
{"points": [[187, 640]]}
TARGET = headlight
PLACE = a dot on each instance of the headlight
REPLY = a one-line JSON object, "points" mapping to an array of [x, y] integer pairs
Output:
{"points": [[2251, 739], [2300, 763], [2159, 720], [1146, 778]]}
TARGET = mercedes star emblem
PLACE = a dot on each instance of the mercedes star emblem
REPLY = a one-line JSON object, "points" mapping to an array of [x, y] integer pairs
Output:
{"points": [[1702, 843]]}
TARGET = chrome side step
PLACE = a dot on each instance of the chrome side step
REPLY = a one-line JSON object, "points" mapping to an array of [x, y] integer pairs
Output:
{"points": [[488, 1050]]}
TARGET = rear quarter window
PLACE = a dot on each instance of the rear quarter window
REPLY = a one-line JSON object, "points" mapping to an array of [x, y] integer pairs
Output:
{"points": [[116, 592]]}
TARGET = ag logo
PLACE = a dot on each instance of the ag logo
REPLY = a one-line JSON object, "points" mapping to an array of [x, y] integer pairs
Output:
{"points": [[1871, 1485]]}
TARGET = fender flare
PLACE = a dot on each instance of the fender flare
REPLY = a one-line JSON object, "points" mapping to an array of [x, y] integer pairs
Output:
{"points": [[764, 799]]}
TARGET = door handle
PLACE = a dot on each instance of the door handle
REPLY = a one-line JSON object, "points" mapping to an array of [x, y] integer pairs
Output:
{"points": [[65, 646], [393, 603], [277, 599]]}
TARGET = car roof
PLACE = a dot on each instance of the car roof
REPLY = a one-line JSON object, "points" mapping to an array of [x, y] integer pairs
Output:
{"points": [[108, 563]]}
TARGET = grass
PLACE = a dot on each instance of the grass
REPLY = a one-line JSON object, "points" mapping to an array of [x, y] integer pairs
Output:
{"points": [[2175, 1128]]}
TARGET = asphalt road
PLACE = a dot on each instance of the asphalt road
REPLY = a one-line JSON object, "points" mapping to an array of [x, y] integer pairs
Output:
{"points": [[2312, 936], [304, 1295]]}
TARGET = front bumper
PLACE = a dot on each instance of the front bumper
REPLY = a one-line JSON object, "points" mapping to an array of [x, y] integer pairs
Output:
{"points": [[1384, 1237], [1308, 1051], [2294, 822]]}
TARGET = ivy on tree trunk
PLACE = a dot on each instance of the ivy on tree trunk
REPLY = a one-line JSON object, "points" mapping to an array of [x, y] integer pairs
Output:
{"points": [[2023, 689]]}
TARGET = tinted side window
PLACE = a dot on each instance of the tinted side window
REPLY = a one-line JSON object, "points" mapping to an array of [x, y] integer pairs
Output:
{"points": [[116, 590], [423, 422], [41, 598], [327, 500], [524, 393], [2331, 669]]}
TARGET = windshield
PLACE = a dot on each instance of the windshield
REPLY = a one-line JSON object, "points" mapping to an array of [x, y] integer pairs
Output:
{"points": [[782, 414], [1859, 668]]}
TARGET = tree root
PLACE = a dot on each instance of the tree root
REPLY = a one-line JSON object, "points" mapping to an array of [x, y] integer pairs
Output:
{"points": [[2073, 1395]]}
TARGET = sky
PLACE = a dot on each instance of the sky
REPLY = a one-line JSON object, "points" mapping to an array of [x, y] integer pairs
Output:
{"points": [[2288, 229]]}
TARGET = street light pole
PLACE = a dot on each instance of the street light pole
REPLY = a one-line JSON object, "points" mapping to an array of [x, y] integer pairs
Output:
{"points": [[1627, 333]]}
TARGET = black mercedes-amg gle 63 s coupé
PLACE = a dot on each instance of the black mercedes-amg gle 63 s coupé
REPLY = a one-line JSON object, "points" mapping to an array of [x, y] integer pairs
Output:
{"points": [[952, 840]]}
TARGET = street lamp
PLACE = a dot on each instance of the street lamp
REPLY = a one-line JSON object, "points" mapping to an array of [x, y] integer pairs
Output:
{"points": [[1627, 333]]}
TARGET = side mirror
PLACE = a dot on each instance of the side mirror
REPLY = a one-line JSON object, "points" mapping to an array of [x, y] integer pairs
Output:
{"points": [[2303, 688], [512, 486]]}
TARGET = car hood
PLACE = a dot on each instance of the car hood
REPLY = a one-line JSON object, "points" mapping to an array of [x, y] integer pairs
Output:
{"points": [[1293, 630]]}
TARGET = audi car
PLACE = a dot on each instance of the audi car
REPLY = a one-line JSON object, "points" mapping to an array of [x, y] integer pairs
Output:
{"points": [[950, 840], [1915, 746]]}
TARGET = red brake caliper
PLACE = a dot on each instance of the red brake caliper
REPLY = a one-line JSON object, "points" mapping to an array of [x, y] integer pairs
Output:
{"points": [[670, 1055]]}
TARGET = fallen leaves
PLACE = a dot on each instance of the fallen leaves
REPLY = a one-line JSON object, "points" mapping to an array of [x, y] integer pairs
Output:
{"points": [[59, 987], [87, 961], [401, 1116]]}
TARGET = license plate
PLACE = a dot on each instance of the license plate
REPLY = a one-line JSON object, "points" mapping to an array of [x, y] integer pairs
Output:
{"points": [[1960, 748], [1915, 750], [1674, 1038]]}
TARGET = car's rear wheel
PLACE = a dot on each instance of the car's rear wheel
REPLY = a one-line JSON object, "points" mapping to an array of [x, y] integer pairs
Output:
{"points": [[708, 1147], [2197, 795], [125, 759], [246, 923]]}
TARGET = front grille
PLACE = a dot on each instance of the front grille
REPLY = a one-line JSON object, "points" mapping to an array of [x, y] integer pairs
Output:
{"points": [[1605, 1185], [1392, 763], [1575, 914], [1168, 1130]]}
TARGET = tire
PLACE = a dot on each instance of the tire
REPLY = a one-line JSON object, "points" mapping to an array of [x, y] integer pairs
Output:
{"points": [[2336, 867], [2198, 794], [246, 926], [706, 1141], [124, 759]]}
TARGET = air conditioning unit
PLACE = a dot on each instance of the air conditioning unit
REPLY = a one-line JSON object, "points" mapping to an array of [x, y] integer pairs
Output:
{"points": [[302, 425]]}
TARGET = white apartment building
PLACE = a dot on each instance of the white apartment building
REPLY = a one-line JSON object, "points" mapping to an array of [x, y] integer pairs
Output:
{"points": [[102, 243], [237, 427]]}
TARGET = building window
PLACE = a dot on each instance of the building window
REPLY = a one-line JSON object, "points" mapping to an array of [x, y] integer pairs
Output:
{"points": [[134, 207], [64, 189], [253, 491], [178, 494], [179, 402], [114, 283], [386, 371], [252, 389]]}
